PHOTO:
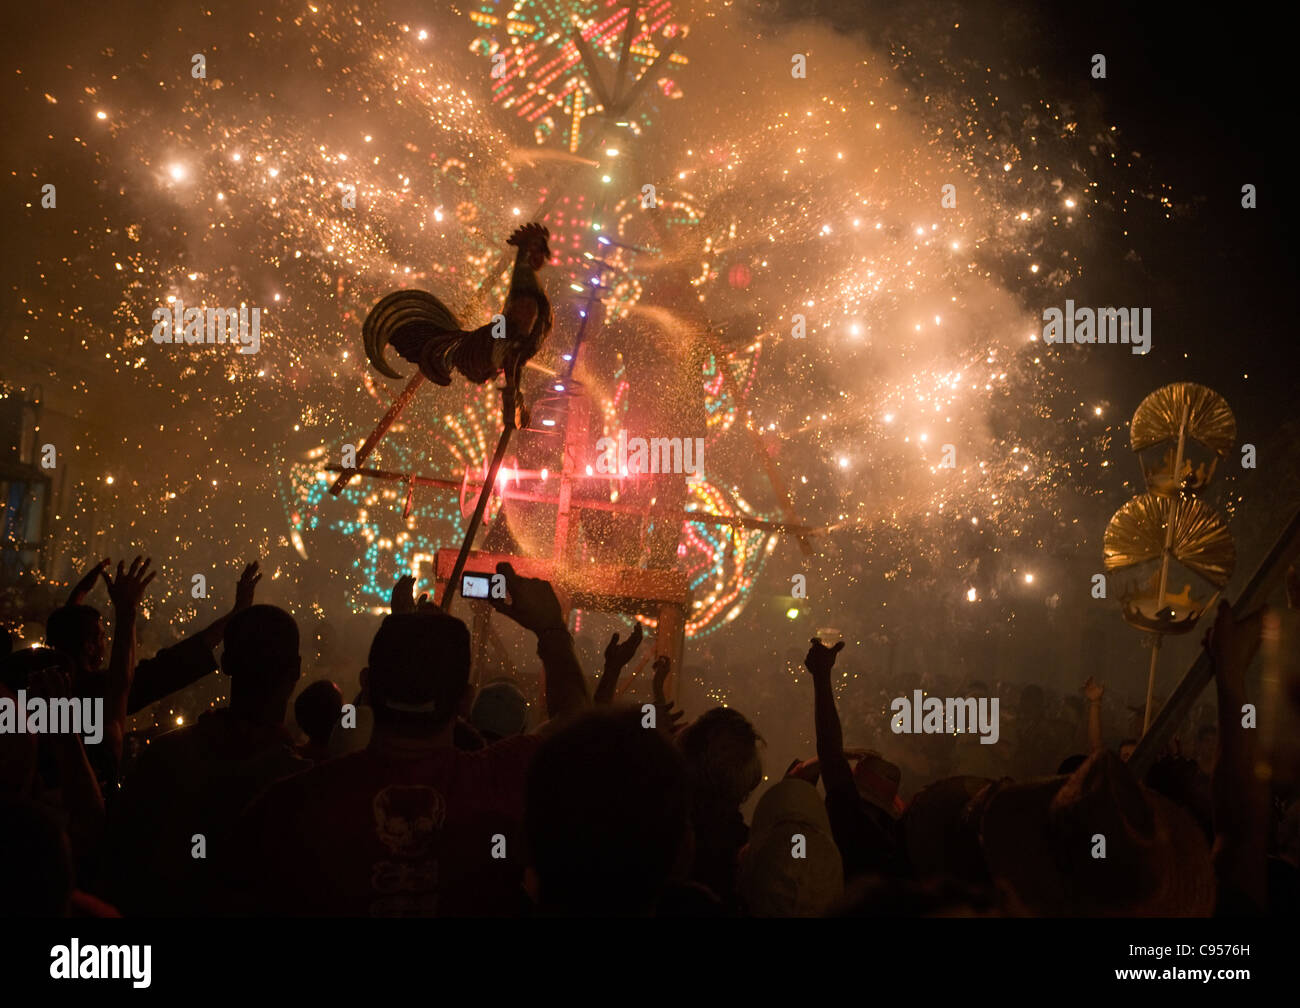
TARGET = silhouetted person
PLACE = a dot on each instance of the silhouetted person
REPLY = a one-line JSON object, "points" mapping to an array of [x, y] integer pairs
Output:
{"points": [[126, 685], [412, 825], [188, 787], [500, 711], [607, 818], [37, 860], [725, 766], [772, 881], [861, 804], [317, 711]]}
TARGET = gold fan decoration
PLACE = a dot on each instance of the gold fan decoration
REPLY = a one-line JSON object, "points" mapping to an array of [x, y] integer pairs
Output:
{"points": [[1169, 524], [1198, 540], [1172, 416]]}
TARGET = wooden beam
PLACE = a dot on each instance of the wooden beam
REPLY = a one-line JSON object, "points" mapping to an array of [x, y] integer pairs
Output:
{"points": [[704, 517], [397, 477], [376, 435]]}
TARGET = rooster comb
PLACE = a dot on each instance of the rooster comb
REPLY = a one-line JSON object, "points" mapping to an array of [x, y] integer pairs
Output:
{"points": [[531, 234]]}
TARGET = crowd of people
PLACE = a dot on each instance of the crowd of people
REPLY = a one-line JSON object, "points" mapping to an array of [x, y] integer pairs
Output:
{"points": [[423, 794]]}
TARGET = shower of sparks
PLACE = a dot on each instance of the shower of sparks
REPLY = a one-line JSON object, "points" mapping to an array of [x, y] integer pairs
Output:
{"points": [[818, 198]]}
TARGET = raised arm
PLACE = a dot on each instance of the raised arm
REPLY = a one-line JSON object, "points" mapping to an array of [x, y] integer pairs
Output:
{"points": [[126, 591], [663, 668], [533, 605], [617, 655], [668, 719], [185, 663], [244, 592], [830, 739], [403, 598], [83, 587]]}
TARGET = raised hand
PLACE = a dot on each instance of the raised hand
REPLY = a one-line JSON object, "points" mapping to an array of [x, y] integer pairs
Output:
{"points": [[403, 597], [1093, 690], [669, 718], [663, 667], [82, 588], [532, 602], [820, 658], [246, 587], [128, 588], [619, 653]]}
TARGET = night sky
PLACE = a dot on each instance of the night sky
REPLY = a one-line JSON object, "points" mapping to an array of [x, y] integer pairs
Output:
{"points": [[1192, 108]]}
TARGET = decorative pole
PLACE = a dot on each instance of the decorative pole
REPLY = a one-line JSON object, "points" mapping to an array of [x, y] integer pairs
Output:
{"points": [[1169, 522], [1165, 555]]}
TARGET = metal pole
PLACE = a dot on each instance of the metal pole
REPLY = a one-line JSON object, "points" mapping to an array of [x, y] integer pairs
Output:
{"points": [[1148, 713], [449, 593]]}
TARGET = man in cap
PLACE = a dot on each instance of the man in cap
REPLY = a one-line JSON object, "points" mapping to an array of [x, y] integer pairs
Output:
{"points": [[410, 825]]}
